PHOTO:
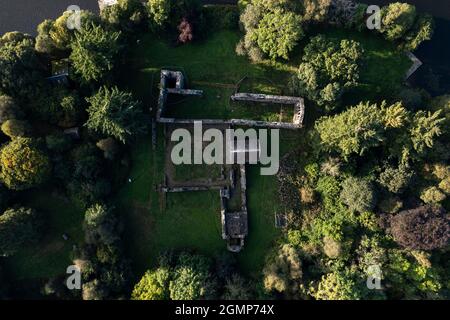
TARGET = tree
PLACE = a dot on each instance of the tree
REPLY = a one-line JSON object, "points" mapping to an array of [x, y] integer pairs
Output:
{"points": [[425, 128], [358, 194], [94, 52], [283, 272], [44, 42], [186, 31], [396, 19], [154, 285], [20, 68], [278, 33], [432, 195], [328, 67], [100, 224], [422, 228], [23, 164], [396, 179], [18, 226], [338, 285], [158, 11], [126, 15], [9, 109], [191, 279], [16, 128], [420, 32], [115, 113], [236, 288], [55, 37], [272, 28], [354, 131], [315, 10]]}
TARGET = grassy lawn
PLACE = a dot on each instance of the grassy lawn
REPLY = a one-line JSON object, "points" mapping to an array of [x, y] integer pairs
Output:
{"points": [[383, 69], [186, 172], [52, 255], [191, 220]]}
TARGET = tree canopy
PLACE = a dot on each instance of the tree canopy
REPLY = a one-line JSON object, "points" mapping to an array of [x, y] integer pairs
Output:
{"points": [[23, 164], [115, 113]]}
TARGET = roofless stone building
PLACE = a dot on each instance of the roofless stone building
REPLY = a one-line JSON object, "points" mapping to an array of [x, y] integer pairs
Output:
{"points": [[234, 222]]}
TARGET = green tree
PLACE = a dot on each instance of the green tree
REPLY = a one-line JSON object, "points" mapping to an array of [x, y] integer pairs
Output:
{"points": [[154, 285], [9, 109], [191, 279], [127, 15], [16, 128], [396, 19], [115, 113], [94, 52], [354, 131], [420, 32], [358, 194], [432, 195], [328, 68], [158, 11], [44, 42], [18, 226], [425, 128], [273, 28], [396, 179], [278, 33], [23, 164], [315, 10], [20, 69], [338, 285]]}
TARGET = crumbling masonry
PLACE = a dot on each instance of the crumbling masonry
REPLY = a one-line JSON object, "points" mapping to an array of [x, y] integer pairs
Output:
{"points": [[234, 223]]}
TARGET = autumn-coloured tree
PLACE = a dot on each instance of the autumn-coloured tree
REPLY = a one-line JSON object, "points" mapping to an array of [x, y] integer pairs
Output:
{"points": [[422, 228]]}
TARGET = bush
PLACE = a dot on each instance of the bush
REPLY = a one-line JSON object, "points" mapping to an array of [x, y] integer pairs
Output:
{"points": [[153, 286], [432, 195], [339, 285], [358, 194], [396, 180], [331, 248]]}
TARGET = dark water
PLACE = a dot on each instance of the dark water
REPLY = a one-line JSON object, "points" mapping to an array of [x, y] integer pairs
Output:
{"points": [[25, 15]]}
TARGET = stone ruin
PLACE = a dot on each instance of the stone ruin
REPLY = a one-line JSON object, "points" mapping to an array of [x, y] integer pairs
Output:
{"points": [[173, 82], [234, 223]]}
